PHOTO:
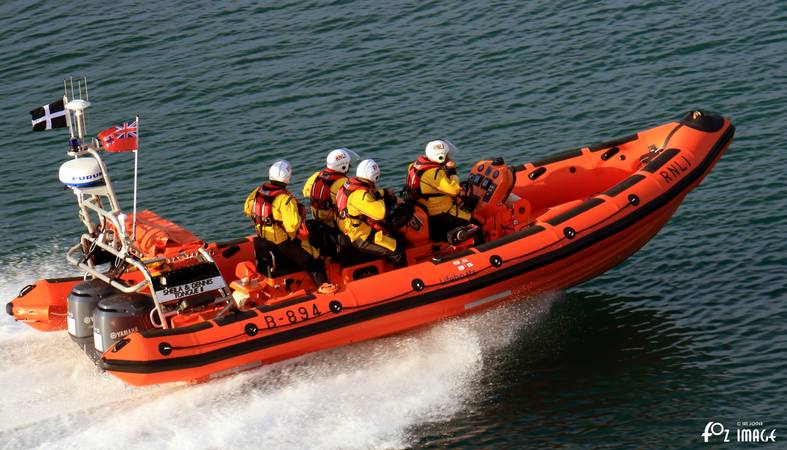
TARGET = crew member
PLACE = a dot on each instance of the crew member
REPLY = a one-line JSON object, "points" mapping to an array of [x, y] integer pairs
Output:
{"points": [[361, 209], [432, 182], [277, 216], [321, 188]]}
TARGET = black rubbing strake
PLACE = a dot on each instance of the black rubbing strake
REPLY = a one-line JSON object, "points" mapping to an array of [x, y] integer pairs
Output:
{"points": [[533, 229], [573, 153], [237, 317], [660, 160], [625, 184], [613, 142], [575, 211], [452, 256]]}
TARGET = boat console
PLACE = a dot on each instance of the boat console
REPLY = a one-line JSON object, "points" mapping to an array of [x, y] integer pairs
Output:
{"points": [[488, 196]]}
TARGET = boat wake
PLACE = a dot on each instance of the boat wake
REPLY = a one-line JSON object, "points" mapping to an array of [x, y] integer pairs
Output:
{"points": [[367, 395]]}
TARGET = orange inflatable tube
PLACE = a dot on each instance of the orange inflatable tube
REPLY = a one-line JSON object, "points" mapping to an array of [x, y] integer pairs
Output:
{"points": [[549, 224]]}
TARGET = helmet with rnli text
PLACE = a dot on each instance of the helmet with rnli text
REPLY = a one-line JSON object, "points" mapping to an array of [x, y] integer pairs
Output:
{"points": [[368, 170], [438, 151], [339, 160], [280, 171]]}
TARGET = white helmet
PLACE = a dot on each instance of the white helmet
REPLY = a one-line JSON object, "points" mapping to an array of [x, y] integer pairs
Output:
{"points": [[280, 171], [438, 151], [368, 170], [339, 160]]}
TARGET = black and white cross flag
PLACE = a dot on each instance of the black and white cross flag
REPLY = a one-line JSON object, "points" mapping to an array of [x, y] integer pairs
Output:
{"points": [[49, 116]]}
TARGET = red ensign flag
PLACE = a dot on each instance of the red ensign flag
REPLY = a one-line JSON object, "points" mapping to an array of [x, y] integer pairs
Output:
{"points": [[120, 138]]}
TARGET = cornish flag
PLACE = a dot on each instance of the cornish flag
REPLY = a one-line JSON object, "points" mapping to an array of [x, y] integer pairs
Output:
{"points": [[49, 116], [120, 138]]}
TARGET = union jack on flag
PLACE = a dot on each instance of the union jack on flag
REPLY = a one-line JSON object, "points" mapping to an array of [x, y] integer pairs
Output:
{"points": [[120, 138]]}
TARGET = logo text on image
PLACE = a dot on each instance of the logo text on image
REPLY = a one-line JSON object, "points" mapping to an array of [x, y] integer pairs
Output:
{"points": [[750, 433], [715, 429]]}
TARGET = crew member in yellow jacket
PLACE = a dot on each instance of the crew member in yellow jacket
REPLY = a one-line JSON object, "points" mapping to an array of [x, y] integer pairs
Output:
{"points": [[277, 216], [432, 181], [361, 208], [322, 187]]}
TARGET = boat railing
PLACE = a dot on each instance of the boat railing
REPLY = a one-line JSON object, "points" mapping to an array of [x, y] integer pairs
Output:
{"points": [[111, 236]]}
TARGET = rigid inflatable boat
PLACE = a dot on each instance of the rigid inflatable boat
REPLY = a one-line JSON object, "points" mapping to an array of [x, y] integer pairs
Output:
{"points": [[157, 304]]}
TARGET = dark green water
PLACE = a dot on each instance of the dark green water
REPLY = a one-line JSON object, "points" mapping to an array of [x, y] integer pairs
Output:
{"points": [[691, 329]]}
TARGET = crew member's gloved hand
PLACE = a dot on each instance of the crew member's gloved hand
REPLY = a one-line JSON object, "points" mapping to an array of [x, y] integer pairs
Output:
{"points": [[450, 168]]}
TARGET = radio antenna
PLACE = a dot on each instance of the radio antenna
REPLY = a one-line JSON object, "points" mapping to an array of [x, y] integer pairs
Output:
{"points": [[78, 107], [84, 78], [72, 141]]}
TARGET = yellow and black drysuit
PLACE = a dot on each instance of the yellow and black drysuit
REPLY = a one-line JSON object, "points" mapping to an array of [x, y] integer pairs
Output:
{"points": [[277, 218], [437, 187], [321, 189], [361, 210]]}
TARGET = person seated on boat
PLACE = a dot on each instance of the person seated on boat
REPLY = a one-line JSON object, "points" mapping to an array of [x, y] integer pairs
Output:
{"points": [[321, 189], [322, 186], [432, 182], [277, 217], [361, 208]]}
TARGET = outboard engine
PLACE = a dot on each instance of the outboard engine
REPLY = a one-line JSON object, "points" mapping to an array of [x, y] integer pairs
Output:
{"points": [[82, 301], [118, 316]]}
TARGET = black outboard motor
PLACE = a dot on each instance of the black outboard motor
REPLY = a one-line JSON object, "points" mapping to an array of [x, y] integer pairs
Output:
{"points": [[82, 301], [119, 315]]}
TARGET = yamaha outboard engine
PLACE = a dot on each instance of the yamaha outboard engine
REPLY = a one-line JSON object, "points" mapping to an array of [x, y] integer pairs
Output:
{"points": [[119, 315], [82, 301]]}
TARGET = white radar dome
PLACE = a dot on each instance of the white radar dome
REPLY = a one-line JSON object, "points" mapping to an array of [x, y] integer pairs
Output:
{"points": [[81, 173]]}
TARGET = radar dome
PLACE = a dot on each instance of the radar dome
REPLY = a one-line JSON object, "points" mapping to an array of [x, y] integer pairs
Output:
{"points": [[81, 173]]}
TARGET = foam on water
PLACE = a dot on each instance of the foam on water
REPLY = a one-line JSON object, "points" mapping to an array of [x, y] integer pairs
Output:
{"points": [[367, 395]]}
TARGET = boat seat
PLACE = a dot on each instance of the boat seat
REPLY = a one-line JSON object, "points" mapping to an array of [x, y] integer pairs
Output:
{"points": [[264, 259]]}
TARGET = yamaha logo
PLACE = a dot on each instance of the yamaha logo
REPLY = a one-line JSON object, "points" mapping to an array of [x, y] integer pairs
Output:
{"points": [[122, 333]]}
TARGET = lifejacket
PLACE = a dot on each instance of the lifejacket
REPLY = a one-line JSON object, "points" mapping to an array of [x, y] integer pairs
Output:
{"points": [[352, 185], [417, 170], [320, 195], [262, 208]]}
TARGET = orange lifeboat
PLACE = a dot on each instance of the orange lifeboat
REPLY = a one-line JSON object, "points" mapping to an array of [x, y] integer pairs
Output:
{"points": [[548, 224]]}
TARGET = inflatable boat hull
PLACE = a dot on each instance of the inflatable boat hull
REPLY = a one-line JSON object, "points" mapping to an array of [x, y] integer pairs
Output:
{"points": [[569, 240]]}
